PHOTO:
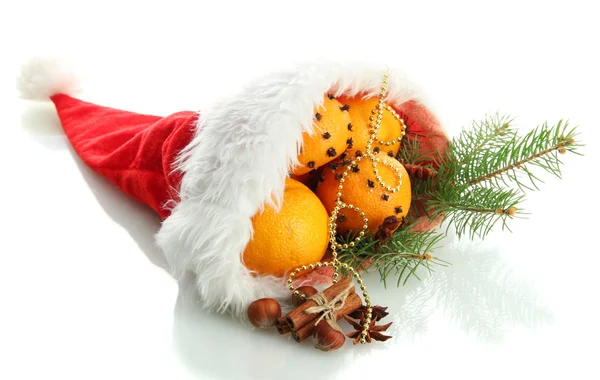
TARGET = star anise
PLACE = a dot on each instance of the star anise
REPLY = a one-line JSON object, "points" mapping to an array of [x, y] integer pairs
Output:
{"points": [[374, 332], [377, 313], [387, 228]]}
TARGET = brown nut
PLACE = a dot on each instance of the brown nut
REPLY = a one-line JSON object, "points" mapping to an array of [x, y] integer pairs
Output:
{"points": [[264, 312], [328, 336], [307, 291]]}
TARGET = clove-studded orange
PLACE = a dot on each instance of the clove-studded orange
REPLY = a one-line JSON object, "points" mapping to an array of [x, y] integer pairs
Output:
{"points": [[362, 189], [361, 115], [296, 235], [330, 138]]}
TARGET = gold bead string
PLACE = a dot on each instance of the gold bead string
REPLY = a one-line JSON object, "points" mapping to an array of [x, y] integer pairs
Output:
{"points": [[374, 125], [304, 268], [380, 116]]}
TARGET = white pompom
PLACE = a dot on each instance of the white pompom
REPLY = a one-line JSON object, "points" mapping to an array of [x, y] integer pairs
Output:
{"points": [[40, 78]]}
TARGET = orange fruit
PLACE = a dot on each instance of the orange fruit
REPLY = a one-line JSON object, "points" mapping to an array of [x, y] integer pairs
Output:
{"points": [[329, 139], [296, 235], [361, 189], [389, 131]]}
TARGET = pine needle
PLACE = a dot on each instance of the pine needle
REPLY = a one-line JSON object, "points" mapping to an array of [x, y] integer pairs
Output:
{"points": [[480, 183], [400, 256]]}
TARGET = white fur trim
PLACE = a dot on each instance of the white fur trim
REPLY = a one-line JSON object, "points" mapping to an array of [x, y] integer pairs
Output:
{"points": [[238, 161], [40, 78]]}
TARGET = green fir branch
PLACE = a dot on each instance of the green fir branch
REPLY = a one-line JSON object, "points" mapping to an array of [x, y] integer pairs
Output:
{"points": [[411, 151], [512, 162], [474, 189], [474, 145], [475, 211], [492, 131], [400, 256], [480, 183]]}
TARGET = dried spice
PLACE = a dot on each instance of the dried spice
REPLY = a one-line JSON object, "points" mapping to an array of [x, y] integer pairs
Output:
{"points": [[387, 228], [377, 313], [374, 332], [420, 172]]}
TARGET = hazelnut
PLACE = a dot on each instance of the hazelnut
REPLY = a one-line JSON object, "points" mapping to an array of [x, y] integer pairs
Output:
{"points": [[328, 336], [307, 291], [264, 312]]}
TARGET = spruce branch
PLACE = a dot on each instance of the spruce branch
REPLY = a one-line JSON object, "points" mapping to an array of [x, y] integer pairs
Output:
{"points": [[507, 163], [399, 256], [475, 211], [470, 186], [473, 188], [418, 165], [493, 131], [475, 145], [412, 152]]}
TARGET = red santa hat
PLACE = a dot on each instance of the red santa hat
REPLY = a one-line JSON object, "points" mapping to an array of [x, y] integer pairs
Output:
{"points": [[206, 174]]}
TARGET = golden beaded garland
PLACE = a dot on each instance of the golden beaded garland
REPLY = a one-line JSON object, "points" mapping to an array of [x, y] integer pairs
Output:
{"points": [[375, 124]]}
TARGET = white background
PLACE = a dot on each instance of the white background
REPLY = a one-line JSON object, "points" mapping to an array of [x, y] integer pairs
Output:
{"points": [[83, 292]]}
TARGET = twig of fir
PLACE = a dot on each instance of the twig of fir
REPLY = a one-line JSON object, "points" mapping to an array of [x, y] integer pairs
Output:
{"points": [[400, 256], [487, 171], [479, 182]]}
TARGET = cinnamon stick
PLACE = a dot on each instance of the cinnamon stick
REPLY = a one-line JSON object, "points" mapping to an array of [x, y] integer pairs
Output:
{"points": [[353, 302], [282, 326], [298, 318]]}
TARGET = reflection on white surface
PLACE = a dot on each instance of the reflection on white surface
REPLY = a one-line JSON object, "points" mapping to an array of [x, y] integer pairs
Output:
{"points": [[41, 122], [479, 292], [141, 222]]}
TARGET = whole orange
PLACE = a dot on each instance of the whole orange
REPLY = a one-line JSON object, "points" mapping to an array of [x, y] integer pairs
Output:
{"points": [[362, 190], [330, 137], [296, 235], [361, 112]]}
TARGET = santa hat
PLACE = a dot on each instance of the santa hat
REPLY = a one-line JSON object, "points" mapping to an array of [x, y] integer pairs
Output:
{"points": [[206, 174]]}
